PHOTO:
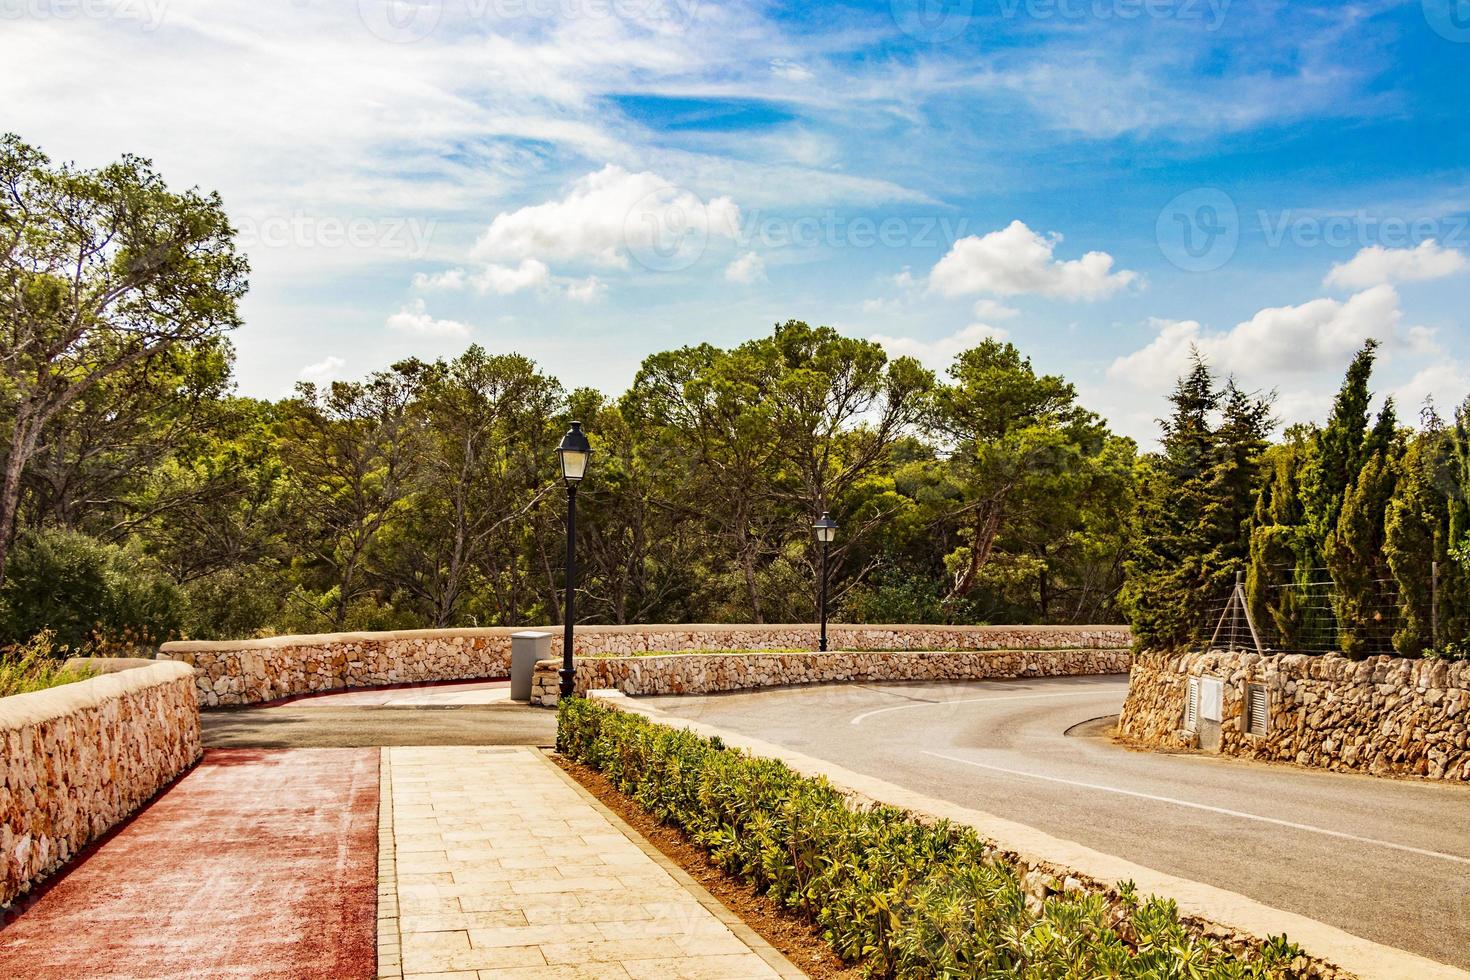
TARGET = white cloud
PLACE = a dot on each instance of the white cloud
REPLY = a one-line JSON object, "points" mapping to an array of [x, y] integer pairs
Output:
{"points": [[748, 268], [1278, 341], [1446, 382], [939, 354], [586, 290], [1376, 265], [989, 309], [414, 319], [323, 371], [791, 71], [449, 279], [505, 279], [1016, 261], [605, 218]]}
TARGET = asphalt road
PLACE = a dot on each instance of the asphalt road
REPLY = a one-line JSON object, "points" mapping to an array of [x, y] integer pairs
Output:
{"points": [[1388, 860]]}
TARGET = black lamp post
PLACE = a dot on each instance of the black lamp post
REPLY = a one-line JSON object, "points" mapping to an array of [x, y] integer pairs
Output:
{"points": [[574, 452], [825, 530]]}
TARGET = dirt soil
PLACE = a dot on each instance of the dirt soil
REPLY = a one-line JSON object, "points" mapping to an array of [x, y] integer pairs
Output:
{"points": [[798, 940]]}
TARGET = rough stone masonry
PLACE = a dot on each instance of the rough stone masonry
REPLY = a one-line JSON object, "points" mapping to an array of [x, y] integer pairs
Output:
{"points": [[81, 757], [239, 672], [1382, 715]]}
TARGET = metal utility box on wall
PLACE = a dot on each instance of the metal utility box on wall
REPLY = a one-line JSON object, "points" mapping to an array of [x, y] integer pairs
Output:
{"points": [[1204, 709], [526, 647], [1257, 710]]}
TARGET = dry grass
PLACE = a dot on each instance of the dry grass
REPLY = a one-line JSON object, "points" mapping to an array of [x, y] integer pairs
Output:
{"points": [[35, 666]]}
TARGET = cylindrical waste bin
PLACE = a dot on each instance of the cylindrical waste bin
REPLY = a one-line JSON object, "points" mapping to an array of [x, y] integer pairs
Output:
{"points": [[526, 648]]}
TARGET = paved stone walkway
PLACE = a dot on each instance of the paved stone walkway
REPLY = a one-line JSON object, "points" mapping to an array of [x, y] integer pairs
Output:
{"points": [[255, 865], [494, 864]]}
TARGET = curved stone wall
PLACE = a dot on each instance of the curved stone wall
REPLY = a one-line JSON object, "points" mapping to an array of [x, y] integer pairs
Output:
{"points": [[238, 672], [1382, 715], [709, 673], [81, 757]]}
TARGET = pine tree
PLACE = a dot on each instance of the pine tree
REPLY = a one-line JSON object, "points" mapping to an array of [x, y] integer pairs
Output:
{"points": [[1195, 500]]}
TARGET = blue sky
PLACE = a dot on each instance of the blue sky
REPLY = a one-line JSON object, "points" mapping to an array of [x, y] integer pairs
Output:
{"points": [[1104, 182]]}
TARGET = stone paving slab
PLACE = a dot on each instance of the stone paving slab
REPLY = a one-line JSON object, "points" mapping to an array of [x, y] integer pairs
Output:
{"points": [[496, 864]]}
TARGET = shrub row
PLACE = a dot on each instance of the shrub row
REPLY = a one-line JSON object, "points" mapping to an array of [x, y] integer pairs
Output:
{"points": [[905, 899]]}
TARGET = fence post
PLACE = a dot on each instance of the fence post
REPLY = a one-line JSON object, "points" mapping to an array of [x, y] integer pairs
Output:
{"points": [[1434, 604]]}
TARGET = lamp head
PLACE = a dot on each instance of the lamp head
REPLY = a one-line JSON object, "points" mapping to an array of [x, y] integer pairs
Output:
{"points": [[574, 453]]}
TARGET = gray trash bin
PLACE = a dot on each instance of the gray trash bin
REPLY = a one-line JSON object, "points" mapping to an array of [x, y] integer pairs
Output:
{"points": [[526, 648]]}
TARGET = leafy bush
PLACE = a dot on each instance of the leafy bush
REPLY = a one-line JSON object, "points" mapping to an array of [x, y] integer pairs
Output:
{"points": [[34, 666], [905, 899], [91, 595]]}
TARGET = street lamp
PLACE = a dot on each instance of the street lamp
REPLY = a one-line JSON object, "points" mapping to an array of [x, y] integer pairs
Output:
{"points": [[574, 452], [825, 530]]}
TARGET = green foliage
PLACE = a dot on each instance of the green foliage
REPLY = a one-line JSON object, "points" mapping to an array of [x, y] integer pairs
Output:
{"points": [[34, 666], [1355, 557], [89, 595], [1195, 500], [905, 899], [1341, 447]]}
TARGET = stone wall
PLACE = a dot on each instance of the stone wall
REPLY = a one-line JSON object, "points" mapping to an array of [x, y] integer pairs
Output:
{"points": [[708, 673], [1382, 715], [81, 757], [238, 672]]}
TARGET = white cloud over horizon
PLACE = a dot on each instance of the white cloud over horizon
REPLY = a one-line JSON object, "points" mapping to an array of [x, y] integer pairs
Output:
{"points": [[1275, 342], [937, 355], [415, 319], [746, 269], [1377, 265], [609, 218], [1017, 261]]}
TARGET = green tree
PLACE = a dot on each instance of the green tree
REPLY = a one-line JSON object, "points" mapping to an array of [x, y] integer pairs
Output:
{"points": [[1195, 496], [103, 274], [1028, 462], [355, 459], [1355, 557]]}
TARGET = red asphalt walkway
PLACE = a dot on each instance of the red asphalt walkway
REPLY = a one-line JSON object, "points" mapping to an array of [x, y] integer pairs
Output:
{"points": [[258, 863]]}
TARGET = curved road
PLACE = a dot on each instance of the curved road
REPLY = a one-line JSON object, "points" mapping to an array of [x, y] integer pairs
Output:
{"points": [[1388, 860]]}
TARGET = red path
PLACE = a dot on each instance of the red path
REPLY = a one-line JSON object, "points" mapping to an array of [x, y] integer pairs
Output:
{"points": [[259, 864]]}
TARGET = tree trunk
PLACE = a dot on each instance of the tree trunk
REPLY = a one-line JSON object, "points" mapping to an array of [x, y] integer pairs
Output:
{"points": [[22, 446], [987, 526]]}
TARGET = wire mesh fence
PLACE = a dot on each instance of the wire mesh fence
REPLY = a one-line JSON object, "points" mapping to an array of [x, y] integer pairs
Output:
{"points": [[1304, 610]]}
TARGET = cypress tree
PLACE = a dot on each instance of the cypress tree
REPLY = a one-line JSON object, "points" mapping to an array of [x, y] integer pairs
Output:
{"points": [[1340, 447], [1417, 535], [1278, 540], [1355, 557]]}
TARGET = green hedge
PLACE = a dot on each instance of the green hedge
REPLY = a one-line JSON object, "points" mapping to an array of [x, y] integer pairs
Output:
{"points": [[905, 899]]}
